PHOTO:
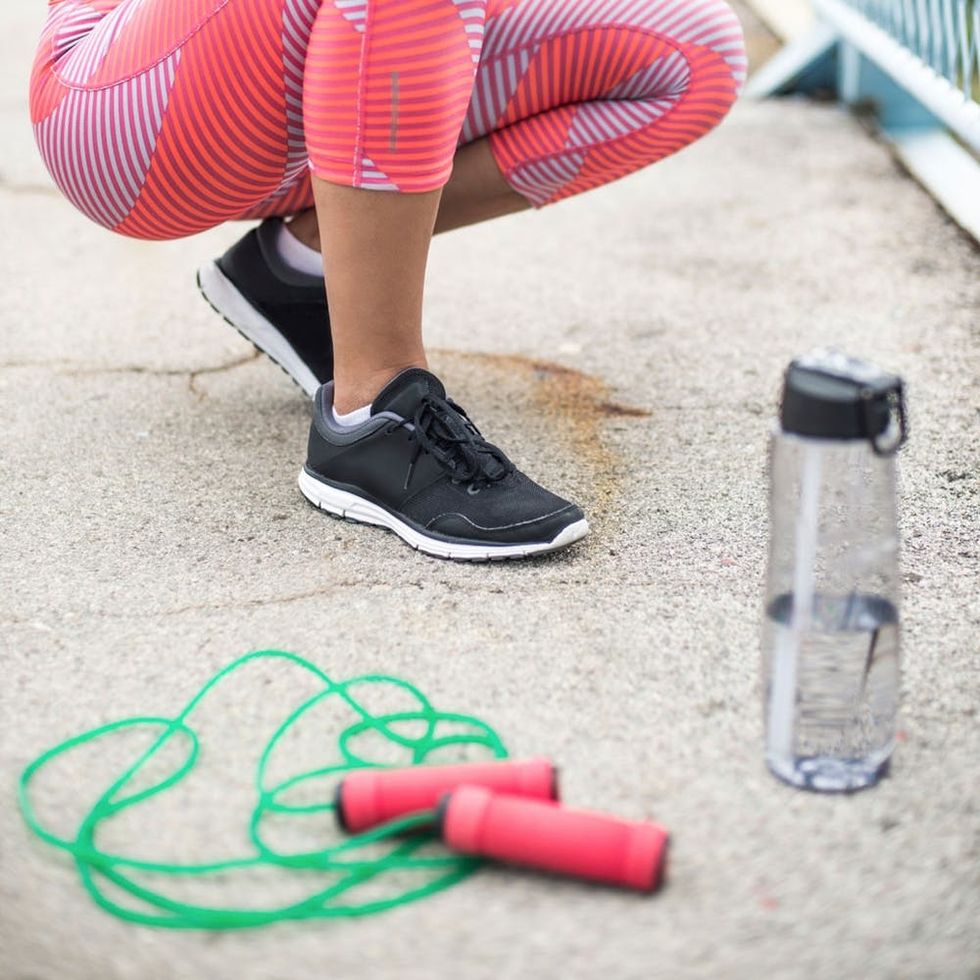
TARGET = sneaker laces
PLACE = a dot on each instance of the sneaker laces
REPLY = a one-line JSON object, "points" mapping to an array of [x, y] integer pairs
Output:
{"points": [[444, 430]]}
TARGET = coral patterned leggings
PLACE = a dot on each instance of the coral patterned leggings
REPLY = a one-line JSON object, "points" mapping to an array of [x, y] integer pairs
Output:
{"points": [[159, 119]]}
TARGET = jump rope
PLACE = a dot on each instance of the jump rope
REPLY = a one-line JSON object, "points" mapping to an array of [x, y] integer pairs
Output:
{"points": [[502, 809]]}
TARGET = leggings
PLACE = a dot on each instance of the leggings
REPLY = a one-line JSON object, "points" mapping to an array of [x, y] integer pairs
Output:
{"points": [[159, 119]]}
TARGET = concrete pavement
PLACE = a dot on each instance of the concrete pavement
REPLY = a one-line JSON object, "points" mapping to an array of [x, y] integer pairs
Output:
{"points": [[626, 348]]}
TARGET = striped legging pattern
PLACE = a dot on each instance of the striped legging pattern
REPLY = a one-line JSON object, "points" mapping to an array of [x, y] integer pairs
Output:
{"points": [[161, 119]]}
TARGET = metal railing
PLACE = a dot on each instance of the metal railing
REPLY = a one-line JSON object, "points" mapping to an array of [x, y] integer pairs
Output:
{"points": [[944, 34], [915, 66], [910, 58]]}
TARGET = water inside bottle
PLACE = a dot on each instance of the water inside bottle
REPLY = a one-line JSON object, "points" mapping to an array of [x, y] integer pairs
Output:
{"points": [[846, 691]]}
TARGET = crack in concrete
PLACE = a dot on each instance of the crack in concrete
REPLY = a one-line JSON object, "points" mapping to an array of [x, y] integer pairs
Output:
{"points": [[443, 586], [29, 190], [75, 370], [240, 604], [231, 606], [443, 589], [192, 377]]}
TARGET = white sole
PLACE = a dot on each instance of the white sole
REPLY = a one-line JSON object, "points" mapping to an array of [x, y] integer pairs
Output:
{"points": [[221, 293], [349, 505]]}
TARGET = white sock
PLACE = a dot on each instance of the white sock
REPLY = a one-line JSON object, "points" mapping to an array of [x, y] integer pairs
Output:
{"points": [[296, 255], [356, 417]]}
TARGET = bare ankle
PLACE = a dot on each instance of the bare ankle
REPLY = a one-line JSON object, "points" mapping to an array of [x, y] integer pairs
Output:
{"points": [[354, 390]]}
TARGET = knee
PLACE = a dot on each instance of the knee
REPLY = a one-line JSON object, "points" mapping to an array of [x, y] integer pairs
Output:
{"points": [[710, 34], [720, 30]]}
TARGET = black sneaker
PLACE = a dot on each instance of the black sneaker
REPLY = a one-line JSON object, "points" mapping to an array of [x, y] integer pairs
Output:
{"points": [[281, 311], [419, 467]]}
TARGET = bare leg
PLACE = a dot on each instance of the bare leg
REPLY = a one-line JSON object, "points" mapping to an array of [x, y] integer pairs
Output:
{"points": [[476, 192], [374, 263]]}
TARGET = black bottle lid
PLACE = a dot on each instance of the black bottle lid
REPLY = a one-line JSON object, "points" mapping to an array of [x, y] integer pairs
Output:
{"points": [[828, 395]]}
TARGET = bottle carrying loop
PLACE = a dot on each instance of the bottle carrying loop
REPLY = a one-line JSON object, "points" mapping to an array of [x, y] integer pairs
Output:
{"points": [[870, 399]]}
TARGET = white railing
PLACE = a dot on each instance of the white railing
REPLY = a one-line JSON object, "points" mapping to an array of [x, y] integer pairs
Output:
{"points": [[916, 64]]}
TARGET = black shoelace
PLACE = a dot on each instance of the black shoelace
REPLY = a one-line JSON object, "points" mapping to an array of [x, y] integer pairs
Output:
{"points": [[444, 430]]}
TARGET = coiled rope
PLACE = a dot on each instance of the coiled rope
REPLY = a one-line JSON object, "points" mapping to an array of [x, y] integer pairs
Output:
{"points": [[111, 878]]}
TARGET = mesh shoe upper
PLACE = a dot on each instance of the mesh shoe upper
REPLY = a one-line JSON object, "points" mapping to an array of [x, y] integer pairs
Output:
{"points": [[421, 457]]}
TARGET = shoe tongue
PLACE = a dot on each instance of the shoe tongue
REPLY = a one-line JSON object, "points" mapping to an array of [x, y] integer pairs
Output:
{"points": [[403, 393]]}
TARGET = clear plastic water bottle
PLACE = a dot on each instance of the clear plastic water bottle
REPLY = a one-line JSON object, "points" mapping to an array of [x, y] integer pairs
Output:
{"points": [[831, 636]]}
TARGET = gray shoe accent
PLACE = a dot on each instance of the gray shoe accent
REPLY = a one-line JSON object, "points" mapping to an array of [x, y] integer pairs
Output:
{"points": [[344, 435]]}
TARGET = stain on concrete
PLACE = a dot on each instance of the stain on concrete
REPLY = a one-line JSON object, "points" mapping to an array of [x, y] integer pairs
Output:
{"points": [[627, 411], [549, 402]]}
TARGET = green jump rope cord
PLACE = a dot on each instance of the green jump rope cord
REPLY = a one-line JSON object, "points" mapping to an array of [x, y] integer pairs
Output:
{"points": [[98, 868]]}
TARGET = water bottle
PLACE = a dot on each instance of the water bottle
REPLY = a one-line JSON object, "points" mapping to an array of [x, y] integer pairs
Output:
{"points": [[831, 636]]}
